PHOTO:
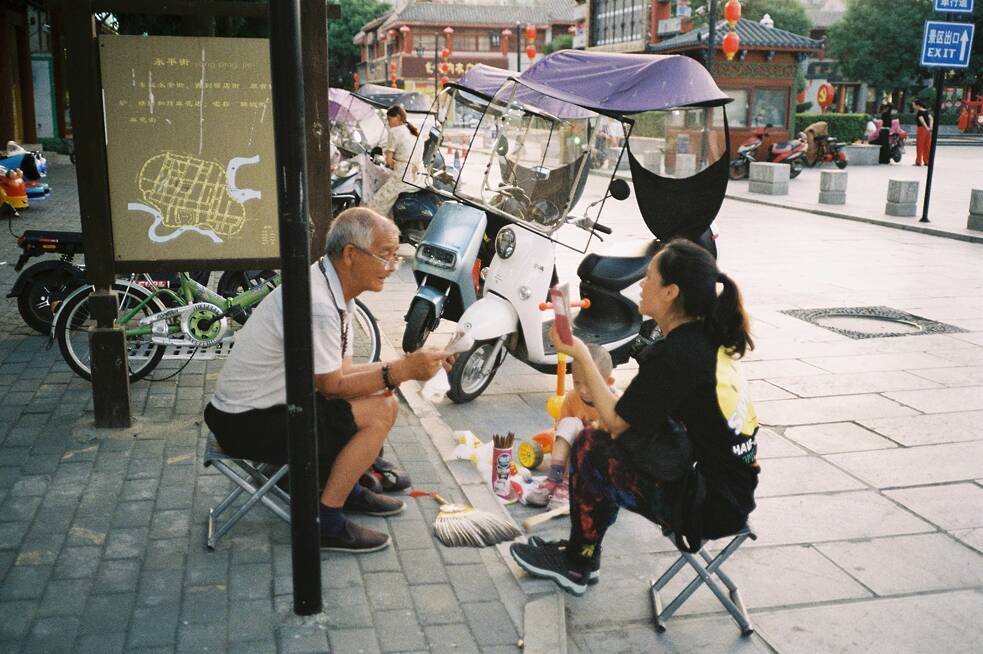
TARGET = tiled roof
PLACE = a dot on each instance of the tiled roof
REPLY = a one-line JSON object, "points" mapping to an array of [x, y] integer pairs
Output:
{"points": [[752, 33], [549, 11]]}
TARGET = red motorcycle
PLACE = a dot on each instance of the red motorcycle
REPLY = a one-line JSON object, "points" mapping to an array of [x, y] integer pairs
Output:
{"points": [[790, 152]]}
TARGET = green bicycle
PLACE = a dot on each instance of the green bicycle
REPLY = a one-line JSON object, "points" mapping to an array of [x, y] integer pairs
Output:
{"points": [[159, 320]]}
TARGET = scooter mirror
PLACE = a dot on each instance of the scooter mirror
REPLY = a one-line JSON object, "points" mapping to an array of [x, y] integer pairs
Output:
{"points": [[619, 189], [502, 146]]}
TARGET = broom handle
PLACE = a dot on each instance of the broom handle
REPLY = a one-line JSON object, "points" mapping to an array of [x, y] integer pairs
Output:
{"points": [[529, 523], [441, 501]]}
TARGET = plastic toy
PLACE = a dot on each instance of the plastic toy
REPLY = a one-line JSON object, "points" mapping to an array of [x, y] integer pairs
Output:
{"points": [[12, 189]]}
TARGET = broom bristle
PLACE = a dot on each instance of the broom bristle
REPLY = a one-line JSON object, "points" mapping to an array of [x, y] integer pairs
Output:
{"points": [[458, 526]]}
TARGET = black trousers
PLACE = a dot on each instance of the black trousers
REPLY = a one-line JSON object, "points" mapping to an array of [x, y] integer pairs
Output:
{"points": [[261, 434]]}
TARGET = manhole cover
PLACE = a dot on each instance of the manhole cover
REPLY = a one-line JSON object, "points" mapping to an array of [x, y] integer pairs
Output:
{"points": [[871, 322]]}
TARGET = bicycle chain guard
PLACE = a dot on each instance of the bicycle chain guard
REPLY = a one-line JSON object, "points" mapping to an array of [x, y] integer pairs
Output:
{"points": [[192, 319]]}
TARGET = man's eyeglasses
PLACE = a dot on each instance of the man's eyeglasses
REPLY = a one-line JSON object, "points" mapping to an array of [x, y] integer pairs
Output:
{"points": [[389, 263]]}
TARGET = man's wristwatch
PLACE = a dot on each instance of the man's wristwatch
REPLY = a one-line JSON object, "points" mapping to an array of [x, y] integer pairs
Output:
{"points": [[386, 379]]}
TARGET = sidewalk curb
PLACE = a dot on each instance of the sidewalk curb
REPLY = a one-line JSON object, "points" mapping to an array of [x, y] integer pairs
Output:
{"points": [[931, 231], [514, 596], [786, 204]]}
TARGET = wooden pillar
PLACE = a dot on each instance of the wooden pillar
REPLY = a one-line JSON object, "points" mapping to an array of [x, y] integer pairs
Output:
{"points": [[26, 75], [314, 35], [7, 45]]}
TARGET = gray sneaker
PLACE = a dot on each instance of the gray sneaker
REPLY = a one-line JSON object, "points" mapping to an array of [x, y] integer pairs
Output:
{"points": [[370, 503], [356, 539]]}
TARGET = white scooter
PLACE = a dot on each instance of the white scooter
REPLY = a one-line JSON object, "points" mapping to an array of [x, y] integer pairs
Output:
{"points": [[509, 317]]}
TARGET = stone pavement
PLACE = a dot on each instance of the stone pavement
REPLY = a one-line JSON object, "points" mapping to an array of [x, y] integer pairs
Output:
{"points": [[102, 532], [957, 171], [870, 506], [870, 510]]}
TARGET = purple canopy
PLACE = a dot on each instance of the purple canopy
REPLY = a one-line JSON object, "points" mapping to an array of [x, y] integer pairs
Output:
{"points": [[483, 80], [346, 106], [623, 83]]}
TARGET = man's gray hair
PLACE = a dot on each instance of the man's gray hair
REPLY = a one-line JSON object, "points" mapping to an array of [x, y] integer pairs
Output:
{"points": [[352, 227]]}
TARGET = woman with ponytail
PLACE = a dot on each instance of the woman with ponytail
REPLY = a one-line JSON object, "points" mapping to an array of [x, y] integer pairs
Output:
{"points": [[679, 446], [402, 156]]}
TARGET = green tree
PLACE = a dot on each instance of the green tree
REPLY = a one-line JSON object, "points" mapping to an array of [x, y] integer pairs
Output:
{"points": [[879, 41], [787, 14], [562, 42], [343, 55]]}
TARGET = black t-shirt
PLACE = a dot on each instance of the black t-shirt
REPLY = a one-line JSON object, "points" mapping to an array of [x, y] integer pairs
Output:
{"points": [[923, 115], [689, 379], [886, 110]]}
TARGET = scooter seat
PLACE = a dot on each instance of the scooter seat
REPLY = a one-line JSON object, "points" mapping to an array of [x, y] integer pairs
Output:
{"points": [[612, 273]]}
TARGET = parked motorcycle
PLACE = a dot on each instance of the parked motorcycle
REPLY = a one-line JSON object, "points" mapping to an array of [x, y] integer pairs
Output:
{"points": [[41, 287], [829, 149], [897, 137], [790, 152], [522, 179]]}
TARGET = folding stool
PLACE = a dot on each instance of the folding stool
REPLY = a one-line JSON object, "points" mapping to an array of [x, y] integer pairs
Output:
{"points": [[705, 566], [257, 480]]}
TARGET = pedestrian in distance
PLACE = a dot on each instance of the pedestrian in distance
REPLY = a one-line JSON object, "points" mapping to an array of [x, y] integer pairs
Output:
{"points": [[402, 156], [886, 111], [923, 143], [679, 446], [355, 411]]}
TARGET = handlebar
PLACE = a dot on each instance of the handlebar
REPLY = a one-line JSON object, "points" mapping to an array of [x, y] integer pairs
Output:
{"points": [[602, 228], [583, 304]]}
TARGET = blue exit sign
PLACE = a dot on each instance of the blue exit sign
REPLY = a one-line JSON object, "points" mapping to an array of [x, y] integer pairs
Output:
{"points": [[947, 45]]}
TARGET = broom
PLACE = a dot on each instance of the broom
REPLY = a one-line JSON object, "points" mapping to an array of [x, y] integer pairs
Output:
{"points": [[458, 525]]}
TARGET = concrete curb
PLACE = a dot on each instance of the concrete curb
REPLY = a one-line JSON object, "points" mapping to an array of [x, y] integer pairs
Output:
{"points": [[922, 229], [546, 630], [786, 204]]}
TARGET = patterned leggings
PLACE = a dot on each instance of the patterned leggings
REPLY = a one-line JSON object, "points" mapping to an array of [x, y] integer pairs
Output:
{"points": [[601, 481]]}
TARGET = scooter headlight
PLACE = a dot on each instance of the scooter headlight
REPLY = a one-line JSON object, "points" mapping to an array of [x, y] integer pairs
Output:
{"points": [[505, 243], [435, 256]]}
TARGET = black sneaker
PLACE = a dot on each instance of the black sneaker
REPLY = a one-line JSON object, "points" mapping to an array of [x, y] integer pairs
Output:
{"points": [[391, 477], [369, 503], [595, 563], [356, 539], [550, 563]]}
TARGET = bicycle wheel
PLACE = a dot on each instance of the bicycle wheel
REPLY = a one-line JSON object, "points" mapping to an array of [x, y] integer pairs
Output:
{"points": [[366, 341], [73, 325]]}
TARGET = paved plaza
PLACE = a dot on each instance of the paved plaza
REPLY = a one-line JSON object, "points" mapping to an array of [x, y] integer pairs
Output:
{"points": [[870, 505]]}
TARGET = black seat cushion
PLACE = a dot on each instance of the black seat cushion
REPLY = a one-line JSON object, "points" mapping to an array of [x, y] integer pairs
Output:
{"points": [[612, 273]]}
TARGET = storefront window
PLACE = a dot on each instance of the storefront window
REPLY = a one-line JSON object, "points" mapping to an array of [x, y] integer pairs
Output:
{"points": [[736, 110], [770, 107]]}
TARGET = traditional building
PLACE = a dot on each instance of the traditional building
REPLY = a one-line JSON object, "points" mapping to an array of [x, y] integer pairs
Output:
{"points": [[32, 91], [760, 78], [408, 41]]}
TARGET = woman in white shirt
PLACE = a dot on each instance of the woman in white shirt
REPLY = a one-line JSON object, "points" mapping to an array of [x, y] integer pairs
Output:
{"points": [[402, 156]]}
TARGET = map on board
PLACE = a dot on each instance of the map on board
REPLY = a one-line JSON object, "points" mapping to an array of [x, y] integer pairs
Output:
{"points": [[190, 148]]}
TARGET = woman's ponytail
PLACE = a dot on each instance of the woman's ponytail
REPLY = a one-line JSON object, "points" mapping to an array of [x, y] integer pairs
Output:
{"points": [[398, 110], [695, 272], [728, 321]]}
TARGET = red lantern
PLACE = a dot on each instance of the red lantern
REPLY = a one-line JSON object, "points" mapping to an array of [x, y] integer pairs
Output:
{"points": [[355, 76], [530, 32], [443, 68], [824, 95], [392, 67], [444, 80], [732, 43], [531, 52], [732, 12], [445, 53], [382, 37], [404, 29]]}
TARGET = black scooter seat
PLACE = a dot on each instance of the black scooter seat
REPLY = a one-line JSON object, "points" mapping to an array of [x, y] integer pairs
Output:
{"points": [[612, 273]]}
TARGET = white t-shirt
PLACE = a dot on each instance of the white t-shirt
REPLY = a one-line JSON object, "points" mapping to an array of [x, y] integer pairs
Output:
{"points": [[254, 376], [402, 144]]}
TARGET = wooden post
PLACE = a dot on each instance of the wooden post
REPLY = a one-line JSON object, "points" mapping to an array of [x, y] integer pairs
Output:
{"points": [[110, 375]]}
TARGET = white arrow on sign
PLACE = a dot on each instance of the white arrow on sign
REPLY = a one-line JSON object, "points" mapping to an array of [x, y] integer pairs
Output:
{"points": [[962, 49]]}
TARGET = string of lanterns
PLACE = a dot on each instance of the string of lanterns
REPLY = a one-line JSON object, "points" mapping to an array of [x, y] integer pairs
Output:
{"points": [[732, 42]]}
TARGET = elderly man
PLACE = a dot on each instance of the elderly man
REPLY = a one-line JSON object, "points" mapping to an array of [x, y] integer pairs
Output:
{"points": [[248, 411]]}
